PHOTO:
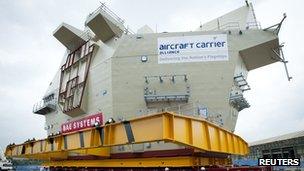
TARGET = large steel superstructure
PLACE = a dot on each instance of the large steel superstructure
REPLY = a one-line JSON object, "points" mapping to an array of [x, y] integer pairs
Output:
{"points": [[109, 70]]}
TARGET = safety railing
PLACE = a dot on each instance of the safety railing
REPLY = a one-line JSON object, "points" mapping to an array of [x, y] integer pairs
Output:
{"points": [[236, 26], [113, 15], [105, 9], [253, 25], [44, 107]]}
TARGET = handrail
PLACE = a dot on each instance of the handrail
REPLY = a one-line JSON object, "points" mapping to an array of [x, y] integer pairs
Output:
{"points": [[108, 11], [236, 25], [41, 104], [105, 9]]}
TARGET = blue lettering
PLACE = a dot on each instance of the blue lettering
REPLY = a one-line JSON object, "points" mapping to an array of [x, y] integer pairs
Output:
{"points": [[223, 44], [172, 46], [162, 47], [183, 46], [207, 44], [218, 44], [191, 44], [197, 45]]}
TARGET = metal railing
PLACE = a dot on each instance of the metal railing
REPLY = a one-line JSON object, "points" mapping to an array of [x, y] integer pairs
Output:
{"points": [[86, 35], [253, 25], [114, 16], [230, 25], [241, 82], [105, 9], [236, 25], [238, 101], [43, 104]]}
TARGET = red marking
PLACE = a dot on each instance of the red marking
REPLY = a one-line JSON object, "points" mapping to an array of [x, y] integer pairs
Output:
{"points": [[83, 123]]}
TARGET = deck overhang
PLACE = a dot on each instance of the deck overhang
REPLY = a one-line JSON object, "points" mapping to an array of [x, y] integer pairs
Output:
{"points": [[256, 48], [69, 36], [260, 55], [104, 25]]}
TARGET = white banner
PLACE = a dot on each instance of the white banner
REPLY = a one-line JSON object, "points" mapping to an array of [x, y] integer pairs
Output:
{"points": [[200, 48]]}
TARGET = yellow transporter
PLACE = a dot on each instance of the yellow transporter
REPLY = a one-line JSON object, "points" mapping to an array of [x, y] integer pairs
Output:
{"points": [[210, 144]]}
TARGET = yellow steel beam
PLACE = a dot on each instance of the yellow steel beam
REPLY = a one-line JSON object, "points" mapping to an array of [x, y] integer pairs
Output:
{"points": [[58, 155], [169, 127], [189, 161]]}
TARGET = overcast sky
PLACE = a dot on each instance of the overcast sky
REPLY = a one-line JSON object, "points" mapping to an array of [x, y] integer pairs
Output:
{"points": [[30, 55]]}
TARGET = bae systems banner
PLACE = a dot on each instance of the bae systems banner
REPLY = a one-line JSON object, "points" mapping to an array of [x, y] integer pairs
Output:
{"points": [[199, 48], [81, 124]]}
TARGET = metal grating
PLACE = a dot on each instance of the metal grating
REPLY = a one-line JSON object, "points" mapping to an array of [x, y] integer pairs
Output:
{"points": [[239, 102], [241, 82]]}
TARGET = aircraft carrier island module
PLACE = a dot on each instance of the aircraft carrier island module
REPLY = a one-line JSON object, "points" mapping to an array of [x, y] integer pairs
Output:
{"points": [[164, 101]]}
